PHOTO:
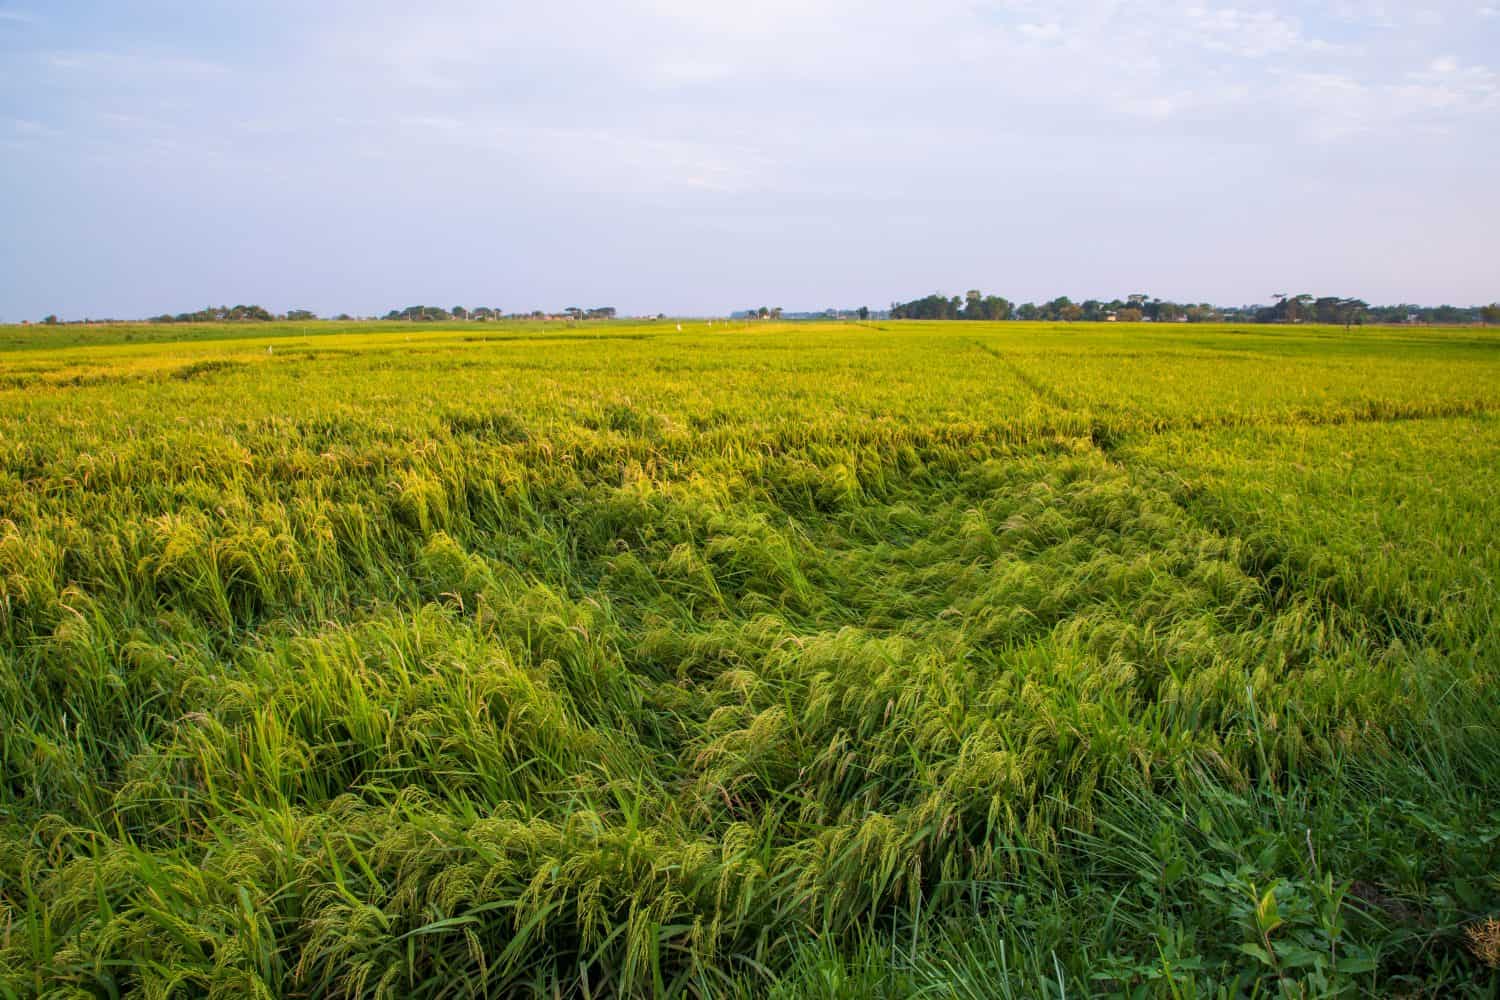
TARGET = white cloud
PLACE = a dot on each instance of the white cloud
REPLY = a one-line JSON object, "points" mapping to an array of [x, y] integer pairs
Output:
{"points": [[1447, 86], [730, 112], [1248, 34], [130, 65], [790, 74], [1049, 31]]}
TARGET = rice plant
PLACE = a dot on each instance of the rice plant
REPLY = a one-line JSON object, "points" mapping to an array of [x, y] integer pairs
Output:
{"points": [[930, 660]]}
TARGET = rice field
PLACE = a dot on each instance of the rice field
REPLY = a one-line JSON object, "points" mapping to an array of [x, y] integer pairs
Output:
{"points": [[748, 660]]}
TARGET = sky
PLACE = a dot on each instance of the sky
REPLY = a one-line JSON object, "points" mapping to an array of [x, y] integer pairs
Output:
{"points": [[698, 156]]}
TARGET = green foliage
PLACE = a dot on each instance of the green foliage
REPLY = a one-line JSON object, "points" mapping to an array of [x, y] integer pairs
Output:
{"points": [[945, 660], [220, 314], [420, 314]]}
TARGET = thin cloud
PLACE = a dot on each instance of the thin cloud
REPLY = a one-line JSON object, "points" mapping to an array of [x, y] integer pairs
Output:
{"points": [[998, 125], [108, 65]]}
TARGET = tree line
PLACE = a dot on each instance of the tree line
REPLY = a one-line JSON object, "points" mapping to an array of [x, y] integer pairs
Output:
{"points": [[427, 314], [219, 314], [235, 314], [975, 305], [1303, 308], [434, 314]]}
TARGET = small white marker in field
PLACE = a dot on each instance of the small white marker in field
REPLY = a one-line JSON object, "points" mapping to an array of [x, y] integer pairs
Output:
{"points": [[679, 327]]}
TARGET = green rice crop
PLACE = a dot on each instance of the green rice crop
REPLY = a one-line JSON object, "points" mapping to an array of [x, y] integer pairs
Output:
{"points": [[743, 660]]}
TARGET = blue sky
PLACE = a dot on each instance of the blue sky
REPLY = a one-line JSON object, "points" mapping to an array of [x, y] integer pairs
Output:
{"points": [[698, 157]]}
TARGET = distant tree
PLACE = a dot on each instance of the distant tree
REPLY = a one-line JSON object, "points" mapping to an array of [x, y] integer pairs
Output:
{"points": [[983, 307], [1137, 307], [1326, 309], [933, 306], [763, 312], [1292, 308], [50, 319], [459, 312], [776, 312], [418, 314], [1054, 310], [864, 312], [1490, 314], [1351, 311], [929, 307], [301, 315]]}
